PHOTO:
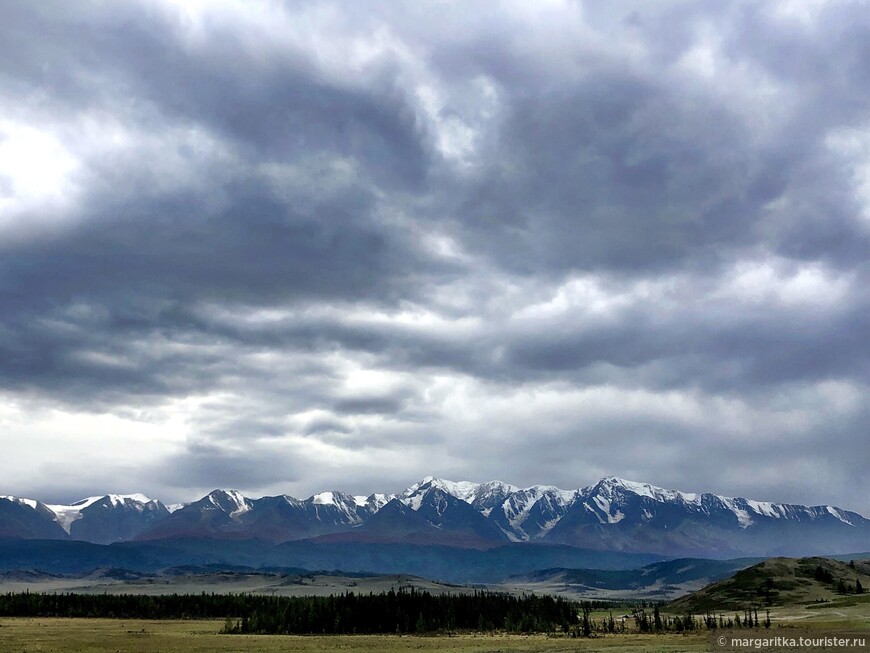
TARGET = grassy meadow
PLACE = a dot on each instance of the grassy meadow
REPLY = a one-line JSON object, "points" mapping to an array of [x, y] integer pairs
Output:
{"points": [[57, 635], [42, 635]]}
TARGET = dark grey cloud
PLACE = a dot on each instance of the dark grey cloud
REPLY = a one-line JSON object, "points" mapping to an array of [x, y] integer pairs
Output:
{"points": [[333, 246], [202, 461]]}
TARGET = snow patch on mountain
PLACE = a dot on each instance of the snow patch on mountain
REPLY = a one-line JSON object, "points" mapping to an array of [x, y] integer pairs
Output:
{"points": [[232, 502], [67, 514], [335, 506], [744, 520], [489, 495], [125, 499], [324, 499], [32, 503], [374, 502], [548, 526], [463, 490], [609, 484], [836, 512], [518, 506], [766, 508], [414, 501]]}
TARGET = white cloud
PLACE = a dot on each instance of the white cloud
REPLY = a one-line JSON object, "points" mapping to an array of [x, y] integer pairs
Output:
{"points": [[37, 173]]}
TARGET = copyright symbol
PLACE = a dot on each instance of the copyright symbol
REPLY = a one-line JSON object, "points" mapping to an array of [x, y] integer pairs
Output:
{"points": [[722, 640]]}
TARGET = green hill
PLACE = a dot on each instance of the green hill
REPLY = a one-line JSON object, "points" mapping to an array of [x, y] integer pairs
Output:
{"points": [[779, 582]]}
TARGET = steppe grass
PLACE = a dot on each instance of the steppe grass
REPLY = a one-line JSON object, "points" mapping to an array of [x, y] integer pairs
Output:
{"points": [[44, 635]]}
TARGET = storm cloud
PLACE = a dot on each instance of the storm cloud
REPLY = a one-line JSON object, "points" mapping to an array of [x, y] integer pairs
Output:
{"points": [[290, 247]]}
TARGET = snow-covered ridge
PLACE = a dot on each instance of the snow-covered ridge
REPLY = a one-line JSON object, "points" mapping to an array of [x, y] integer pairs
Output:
{"points": [[481, 495], [609, 484], [607, 501], [231, 502], [747, 511], [521, 513], [373, 502], [67, 514], [21, 501], [463, 490], [547, 502], [839, 514], [32, 503]]}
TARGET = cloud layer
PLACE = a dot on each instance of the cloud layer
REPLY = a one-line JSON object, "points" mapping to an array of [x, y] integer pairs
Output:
{"points": [[287, 247]]}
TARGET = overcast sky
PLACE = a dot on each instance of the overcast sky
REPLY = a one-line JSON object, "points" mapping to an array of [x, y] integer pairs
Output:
{"points": [[289, 247]]}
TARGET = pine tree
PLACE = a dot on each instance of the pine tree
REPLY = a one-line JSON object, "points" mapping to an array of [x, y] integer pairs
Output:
{"points": [[587, 623]]}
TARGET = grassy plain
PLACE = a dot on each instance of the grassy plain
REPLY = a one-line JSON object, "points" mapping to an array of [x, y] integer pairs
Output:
{"points": [[55, 635], [847, 613], [23, 635]]}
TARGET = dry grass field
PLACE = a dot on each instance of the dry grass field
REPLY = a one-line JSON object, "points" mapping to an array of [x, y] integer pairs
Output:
{"points": [[55, 635], [20, 635]]}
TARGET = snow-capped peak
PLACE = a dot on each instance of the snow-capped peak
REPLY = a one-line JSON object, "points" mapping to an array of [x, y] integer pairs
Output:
{"points": [[136, 496], [463, 490], [494, 488], [563, 497], [232, 502], [333, 498], [113, 499], [373, 502], [607, 485], [335, 506], [413, 497], [118, 500], [325, 499]]}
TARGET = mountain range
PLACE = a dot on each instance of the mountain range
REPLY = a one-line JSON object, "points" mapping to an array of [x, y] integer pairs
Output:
{"points": [[612, 515]]}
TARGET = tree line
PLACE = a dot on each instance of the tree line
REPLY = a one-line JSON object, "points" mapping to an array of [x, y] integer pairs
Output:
{"points": [[405, 611], [656, 622]]}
